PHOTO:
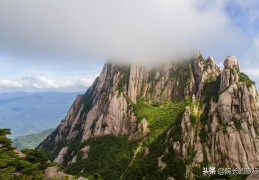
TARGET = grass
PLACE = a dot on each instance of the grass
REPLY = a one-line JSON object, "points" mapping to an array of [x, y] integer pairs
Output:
{"points": [[146, 166], [109, 156], [159, 117]]}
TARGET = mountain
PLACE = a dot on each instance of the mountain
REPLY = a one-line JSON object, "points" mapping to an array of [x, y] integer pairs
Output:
{"points": [[163, 122], [31, 141], [27, 113]]}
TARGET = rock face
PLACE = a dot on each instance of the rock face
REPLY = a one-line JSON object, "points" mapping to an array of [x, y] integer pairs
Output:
{"points": [[62, 153], [19, 152], [230, 72], [104, 108], [55, 173], [229, 129], [219, 128]]}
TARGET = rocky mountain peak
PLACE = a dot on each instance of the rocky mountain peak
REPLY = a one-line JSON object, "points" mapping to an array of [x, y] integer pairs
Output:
{"points": [[211, 59], [231, 62], [226, 134], [183, 114], [230, 73]]}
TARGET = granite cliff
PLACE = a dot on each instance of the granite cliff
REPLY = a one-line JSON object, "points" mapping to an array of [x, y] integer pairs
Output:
{"points": [[226, 134], [167, 121]]}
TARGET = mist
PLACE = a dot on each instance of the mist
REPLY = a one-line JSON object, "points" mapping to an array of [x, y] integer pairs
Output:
{"points": [[136, 30]]}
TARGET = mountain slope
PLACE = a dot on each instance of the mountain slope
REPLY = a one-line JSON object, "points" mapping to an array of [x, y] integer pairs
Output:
{"points": [[31, 141], [15, 164], [26, 164], [23, 112], [219, 130], [173, 119]]}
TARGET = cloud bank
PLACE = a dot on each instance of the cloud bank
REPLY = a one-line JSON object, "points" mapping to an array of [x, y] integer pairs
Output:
{"points": [[63, 33], [141, 30], [43, 83]]}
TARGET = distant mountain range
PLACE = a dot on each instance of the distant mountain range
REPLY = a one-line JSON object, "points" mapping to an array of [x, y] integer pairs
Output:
{"points": [[31, 141], [27, 113]]}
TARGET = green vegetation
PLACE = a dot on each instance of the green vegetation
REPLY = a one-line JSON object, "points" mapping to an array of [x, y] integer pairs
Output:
{"points": [[203, 135], [48, 146], [175, 74], [95, 176], [224, 128], [183, 71], [232, 71], [124, 80], [176, 166], [12, 166], [206, 64], [211, 89], [153, 80], [151, 76], [146, 166], [160, 117], [237, 123], [109, 156], [195, 116], [244, 78], [31, 141], [176, 130], [190, 154], [117, 157], [193, 119]]}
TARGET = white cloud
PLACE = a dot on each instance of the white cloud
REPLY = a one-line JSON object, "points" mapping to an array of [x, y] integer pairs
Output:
{"points": [[85, 82], [48, 32], [10, 84], [130, 29], [44, 83]]}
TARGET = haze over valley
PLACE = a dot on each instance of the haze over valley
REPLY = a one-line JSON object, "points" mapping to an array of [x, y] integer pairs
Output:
{"points": [[26, 113]]}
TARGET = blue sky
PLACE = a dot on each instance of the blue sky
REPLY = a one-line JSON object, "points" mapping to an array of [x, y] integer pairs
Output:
{"points": [[62, 45]]}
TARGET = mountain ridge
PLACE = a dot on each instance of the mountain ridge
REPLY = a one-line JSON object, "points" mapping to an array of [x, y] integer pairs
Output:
{"points": [[184, 109], [31, 141]]}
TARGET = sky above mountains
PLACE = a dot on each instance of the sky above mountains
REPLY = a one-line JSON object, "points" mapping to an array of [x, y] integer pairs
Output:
{"points": [[62, 45]]}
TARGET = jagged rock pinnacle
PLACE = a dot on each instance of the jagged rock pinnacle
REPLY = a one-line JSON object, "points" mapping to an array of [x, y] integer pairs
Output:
{"points": [[210, 58], [231, 62], [230, 73]]}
